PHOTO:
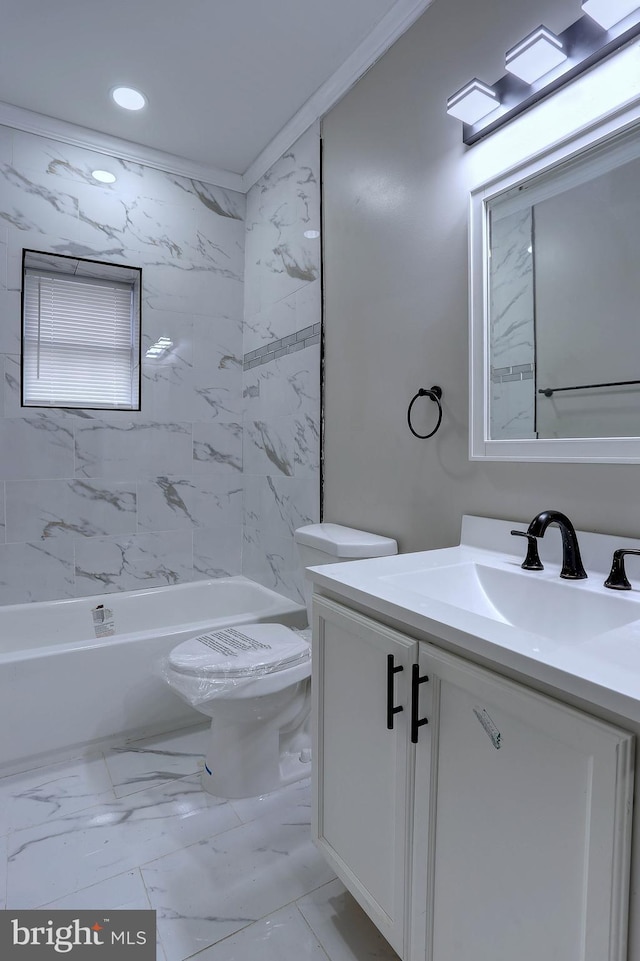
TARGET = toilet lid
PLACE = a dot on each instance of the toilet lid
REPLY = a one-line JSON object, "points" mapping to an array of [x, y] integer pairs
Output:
{"points": [[248, 650]]}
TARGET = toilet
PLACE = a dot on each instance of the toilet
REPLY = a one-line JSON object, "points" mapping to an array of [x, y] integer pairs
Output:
{"points": [[254, 681]]}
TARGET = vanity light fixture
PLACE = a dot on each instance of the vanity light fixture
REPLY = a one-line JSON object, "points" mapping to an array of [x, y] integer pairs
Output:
{"points": [[535, 56], [609, 12], [473, 102], [103, 176], [542, 63], [128, 98], [312, 234]]}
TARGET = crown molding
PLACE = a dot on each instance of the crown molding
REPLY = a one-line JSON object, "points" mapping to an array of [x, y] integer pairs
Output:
{"points": [[396, 22], [60, 130]]}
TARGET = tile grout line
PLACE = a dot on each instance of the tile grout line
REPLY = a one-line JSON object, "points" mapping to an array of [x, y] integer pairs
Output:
{"points": [[264, 917]]}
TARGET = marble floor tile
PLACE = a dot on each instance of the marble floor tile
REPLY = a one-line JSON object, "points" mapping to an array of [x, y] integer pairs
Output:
{"points": [[153, 761], [55, 791], [215, 888], [126, 892], [282, 936], [252, 808], [230, 881], [342, 927], [73, 851]]}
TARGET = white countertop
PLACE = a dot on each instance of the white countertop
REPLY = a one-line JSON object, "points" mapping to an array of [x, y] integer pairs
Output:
{"points": [[602, 669]]}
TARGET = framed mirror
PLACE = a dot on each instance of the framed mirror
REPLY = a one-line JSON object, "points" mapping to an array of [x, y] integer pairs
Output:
{"points": [[555, 305]]}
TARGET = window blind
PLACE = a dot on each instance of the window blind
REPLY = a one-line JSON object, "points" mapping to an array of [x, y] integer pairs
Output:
{"points": [[80, 341]]}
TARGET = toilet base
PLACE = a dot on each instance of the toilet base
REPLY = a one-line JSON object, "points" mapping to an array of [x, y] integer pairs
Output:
{"points": [[291, 768], [247, 758]]}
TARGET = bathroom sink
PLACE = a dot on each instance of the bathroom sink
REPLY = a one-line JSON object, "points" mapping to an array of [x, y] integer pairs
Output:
{"points": [[560, 611]]}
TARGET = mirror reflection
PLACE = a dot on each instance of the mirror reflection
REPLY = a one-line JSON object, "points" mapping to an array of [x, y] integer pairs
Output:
{"points": [[564, 299]]}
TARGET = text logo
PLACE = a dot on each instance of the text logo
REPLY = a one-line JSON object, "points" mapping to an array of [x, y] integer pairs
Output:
{"points": [[78, 935]]}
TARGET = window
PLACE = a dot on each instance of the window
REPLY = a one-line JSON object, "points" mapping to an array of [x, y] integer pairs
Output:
{"points": [[80, 333]]}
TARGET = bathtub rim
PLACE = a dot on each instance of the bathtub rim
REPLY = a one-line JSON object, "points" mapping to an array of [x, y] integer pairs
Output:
{"points": [[283, 609]]}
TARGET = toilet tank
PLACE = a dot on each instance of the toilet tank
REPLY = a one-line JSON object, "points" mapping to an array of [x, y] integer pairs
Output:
{"points": [[334, 544]]}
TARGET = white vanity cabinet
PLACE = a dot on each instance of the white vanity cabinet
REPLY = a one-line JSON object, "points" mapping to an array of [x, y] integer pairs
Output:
{"points": [[362, 818], [502, 834]]}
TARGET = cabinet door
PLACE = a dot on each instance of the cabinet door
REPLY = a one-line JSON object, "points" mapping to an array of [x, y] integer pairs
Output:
{"points": [[363, 771], [532, 823]]}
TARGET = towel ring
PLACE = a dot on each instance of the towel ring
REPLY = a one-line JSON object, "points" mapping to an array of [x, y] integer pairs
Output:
{"points": [[435, 393]]}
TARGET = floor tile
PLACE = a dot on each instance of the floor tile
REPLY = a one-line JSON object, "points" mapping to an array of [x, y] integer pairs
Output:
{"points": [[341, 926], [125, 892], [283, 936], [252, 808], [230, 881], [215, 888], [61, 789], [73, 851], [152, 761]]}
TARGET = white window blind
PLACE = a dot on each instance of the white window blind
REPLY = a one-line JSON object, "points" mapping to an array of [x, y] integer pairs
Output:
{"points": [[80, 341]]}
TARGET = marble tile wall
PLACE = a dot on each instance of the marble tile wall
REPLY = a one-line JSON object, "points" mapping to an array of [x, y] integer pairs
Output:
{"points": [[512, 327], [281, 383], [94, 501]]}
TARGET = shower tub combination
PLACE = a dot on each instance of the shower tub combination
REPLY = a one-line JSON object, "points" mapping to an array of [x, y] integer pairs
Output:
{"points": [[82, 673]]}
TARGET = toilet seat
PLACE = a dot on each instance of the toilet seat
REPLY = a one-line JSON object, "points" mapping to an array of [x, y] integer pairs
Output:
{"points": [[243, 651]]}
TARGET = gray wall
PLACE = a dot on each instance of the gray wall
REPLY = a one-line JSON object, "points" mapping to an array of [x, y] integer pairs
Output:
{"points": [[395, 222]]}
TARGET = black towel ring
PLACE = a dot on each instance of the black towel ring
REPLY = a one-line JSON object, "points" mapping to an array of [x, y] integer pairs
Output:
{"points": [[435, 393]]}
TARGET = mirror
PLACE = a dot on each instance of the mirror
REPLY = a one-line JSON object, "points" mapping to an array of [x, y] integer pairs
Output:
{"points": [[558, 320]]}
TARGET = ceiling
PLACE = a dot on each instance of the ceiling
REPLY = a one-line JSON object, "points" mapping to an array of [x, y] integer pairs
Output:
{"points": [[223, 78]]}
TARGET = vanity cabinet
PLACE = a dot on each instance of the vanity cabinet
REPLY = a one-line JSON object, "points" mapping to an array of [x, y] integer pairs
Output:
{"points": [[365, 770], [503, 832]]}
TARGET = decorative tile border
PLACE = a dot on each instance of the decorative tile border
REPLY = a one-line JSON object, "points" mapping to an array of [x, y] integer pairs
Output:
{"points": [[285, 345], [502, 375]]}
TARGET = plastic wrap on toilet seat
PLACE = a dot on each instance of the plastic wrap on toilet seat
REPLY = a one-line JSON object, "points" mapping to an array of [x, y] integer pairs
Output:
{"points": [[212, 664]]}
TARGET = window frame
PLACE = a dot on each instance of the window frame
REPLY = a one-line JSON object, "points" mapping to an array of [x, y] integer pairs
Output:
{"points": [[87, 274]]}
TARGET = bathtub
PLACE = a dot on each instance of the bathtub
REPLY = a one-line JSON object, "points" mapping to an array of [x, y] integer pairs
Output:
{"points": [[80, 674]]}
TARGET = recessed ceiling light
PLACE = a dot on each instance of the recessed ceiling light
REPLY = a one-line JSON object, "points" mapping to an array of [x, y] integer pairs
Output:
{"points": [[128, 98], [312, 234], [103, 176], [473, 102], [609, 12], [536, 55]]}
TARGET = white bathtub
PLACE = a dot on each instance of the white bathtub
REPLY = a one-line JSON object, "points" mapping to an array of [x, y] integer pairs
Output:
{"points": [[64, 690]]}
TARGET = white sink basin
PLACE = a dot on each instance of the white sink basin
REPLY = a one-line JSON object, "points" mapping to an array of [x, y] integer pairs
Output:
{"points": [[561, 611]]}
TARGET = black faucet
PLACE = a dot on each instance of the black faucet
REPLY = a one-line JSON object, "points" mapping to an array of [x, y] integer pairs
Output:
{"points": [[571, 561]]}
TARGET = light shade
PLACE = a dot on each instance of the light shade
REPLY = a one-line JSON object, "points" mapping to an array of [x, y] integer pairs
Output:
{"points": [[609, 12], [473, 102], [312, 234], [128, 98], [535, 56], [103, 176]]}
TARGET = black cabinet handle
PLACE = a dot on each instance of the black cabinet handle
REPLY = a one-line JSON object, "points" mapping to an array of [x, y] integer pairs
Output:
{"points": [[416, 680], [391, 672]]}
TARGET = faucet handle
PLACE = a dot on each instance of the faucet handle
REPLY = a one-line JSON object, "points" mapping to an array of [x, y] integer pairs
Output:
{"points": [[532, 560], [617, 579]]}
